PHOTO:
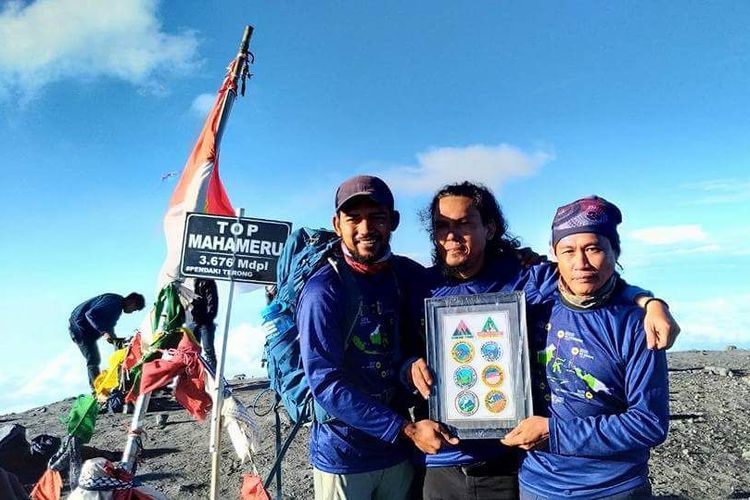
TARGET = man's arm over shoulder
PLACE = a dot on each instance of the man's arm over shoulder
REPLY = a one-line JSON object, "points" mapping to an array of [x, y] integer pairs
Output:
{"points": [[320, 318], [538, 282]]}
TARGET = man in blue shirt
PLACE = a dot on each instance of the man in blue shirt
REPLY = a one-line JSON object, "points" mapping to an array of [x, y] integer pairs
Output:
{"points": [[474, 253], [352, 364], [604, 394], [96, 318]]}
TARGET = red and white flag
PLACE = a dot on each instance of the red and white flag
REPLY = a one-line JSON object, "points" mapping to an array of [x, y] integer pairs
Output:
{"points": [[199, 188]]}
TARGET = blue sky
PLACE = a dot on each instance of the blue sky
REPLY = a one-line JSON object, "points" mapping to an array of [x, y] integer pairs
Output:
{"points": [[643, 103]]}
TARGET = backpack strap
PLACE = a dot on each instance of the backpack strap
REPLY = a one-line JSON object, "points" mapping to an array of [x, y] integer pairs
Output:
{"points": [[353, 299]]}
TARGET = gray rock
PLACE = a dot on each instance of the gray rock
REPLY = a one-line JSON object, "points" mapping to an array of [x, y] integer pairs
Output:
{"points": [[731, 348], [719, 370]]}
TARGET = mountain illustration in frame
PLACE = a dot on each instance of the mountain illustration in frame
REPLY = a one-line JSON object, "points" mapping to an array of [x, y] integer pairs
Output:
{"points": [[462, 331], [489, 329]]}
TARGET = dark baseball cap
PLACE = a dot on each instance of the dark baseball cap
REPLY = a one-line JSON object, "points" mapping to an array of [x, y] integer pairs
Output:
{"points": [[369, 186]]}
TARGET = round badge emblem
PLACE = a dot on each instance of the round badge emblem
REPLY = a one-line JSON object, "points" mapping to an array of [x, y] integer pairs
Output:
{"points": [[467, 403], [491, 351], [495, 401], [462, 352], [493, 375], [465, 376]]}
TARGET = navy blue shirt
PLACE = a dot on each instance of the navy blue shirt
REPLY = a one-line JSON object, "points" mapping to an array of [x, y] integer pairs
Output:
{"points": [[607, 398], [92, 318], [354, 377]]}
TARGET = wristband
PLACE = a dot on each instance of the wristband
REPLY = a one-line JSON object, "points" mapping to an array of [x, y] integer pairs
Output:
{"points": [[650, 299]]}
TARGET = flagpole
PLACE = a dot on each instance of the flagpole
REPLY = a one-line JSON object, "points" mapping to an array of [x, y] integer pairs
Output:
{"points": [[218, 395], [239, 70], [215, 439]]}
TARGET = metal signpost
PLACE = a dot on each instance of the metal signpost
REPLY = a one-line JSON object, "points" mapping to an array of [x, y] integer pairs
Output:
{"points": [[234, 249]]}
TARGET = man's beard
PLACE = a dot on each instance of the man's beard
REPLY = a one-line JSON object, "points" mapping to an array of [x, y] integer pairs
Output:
{"points": [[369, 259], [453, 273]]}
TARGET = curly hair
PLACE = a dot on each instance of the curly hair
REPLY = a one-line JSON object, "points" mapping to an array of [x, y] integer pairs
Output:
{"points": [[502, 242]]}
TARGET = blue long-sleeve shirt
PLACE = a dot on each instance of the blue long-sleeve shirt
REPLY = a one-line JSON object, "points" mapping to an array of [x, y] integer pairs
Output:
{"points": [[92, 318], [607, 399], [353, 377]]}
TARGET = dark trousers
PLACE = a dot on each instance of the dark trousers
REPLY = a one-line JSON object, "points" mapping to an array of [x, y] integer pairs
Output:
{"points": [[475, 482], [204, 333], [90, 352]]}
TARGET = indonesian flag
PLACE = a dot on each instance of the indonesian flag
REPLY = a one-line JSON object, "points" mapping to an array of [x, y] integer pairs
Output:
{"points": [[199, 188]]}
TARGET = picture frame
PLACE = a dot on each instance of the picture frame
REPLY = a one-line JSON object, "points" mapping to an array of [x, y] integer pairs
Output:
{"points": [[478, 349]]}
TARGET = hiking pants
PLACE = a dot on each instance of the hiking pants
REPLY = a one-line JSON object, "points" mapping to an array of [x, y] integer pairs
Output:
{"points": [[204, 333], [384, 484], [459, 483], [90, 352]]}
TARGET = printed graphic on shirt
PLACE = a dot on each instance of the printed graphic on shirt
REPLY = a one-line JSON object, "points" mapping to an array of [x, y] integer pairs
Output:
{"points": [[462, 352], [465, 377], [377, 342], [467, 403], [489, 329], [546, 356], [491, 351], [563, 358], [594, 383], [495, 401], [462, 332]]}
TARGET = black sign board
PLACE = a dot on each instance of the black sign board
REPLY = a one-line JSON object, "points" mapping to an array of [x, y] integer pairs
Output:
{"points": [[225, 248]]}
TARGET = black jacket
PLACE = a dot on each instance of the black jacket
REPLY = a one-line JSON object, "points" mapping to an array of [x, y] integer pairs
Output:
{"points": [[206, 304]]}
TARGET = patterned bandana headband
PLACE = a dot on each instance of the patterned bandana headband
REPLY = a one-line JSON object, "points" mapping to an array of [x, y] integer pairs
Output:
{"points": [[587, 215]]}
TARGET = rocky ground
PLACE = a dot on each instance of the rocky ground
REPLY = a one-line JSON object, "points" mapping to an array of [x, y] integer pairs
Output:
{"points": [[707, 454]]}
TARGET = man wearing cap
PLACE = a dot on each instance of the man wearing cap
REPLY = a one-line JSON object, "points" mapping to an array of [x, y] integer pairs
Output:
{"points": [[352, 364], [607, 403], [474, 253]]}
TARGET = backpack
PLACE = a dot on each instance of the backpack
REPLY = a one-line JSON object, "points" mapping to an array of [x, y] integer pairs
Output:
{"points": [[305, 251]]}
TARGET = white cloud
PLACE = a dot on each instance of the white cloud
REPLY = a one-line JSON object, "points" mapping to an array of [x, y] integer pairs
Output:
{"points": [[65, 374], [720, 191], [715, 321], [45, 382], [245, 348], [490, 165], [202, 104], [51, 40], [669, 235]]}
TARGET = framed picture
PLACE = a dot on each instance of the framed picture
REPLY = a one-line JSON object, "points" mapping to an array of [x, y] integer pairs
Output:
{"points": [[477, 348]]}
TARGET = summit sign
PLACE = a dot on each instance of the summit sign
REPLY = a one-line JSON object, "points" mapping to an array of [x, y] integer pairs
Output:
{"points": [[232, 248]]}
